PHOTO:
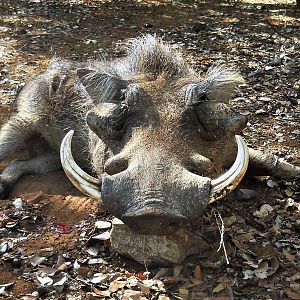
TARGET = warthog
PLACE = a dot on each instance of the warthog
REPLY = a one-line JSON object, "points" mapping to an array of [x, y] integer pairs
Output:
{"points": [[154, 134]]}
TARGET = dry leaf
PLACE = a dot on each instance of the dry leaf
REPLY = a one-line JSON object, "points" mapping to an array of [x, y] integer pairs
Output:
{"points": [[198, 273], [102, 224], [264, 211], [101, 293], [265, 252], [220, 287], [133, 295], [273, 265], [163, 297], [229, 220], [292, 295], [262, 271], [144, 288], [260, 112], [183, 292], [116, 285], [245, 237]]}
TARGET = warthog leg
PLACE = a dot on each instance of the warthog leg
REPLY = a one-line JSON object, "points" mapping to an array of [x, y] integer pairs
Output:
{"points": [[42, 164], [269, 165], [14, 134]]}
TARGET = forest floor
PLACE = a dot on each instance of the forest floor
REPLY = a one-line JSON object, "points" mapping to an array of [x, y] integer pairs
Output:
{"points": [[45, 249]]}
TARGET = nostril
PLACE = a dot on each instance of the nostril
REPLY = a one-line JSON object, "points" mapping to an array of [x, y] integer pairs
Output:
{"points": [[115, 165]]}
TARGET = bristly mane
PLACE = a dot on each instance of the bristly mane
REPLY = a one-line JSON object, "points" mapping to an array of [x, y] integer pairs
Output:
{"points": [[149, 55]]}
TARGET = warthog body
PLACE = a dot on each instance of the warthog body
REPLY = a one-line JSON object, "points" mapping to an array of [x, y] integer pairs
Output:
{"points": [[150, 130]]}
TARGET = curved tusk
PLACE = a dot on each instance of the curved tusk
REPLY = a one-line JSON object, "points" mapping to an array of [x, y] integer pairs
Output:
{"points": [[83, 181], [227, 182]]}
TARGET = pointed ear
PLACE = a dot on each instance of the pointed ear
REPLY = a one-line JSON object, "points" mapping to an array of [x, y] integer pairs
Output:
{"points": [[221, 82], [102, 86]]}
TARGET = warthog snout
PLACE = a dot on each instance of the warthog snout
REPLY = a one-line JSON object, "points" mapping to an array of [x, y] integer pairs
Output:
{"points": [[160, 194]]}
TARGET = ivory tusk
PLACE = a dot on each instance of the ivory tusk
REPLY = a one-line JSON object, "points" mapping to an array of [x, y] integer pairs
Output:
{"points": [[227, 182], [83, 181]]}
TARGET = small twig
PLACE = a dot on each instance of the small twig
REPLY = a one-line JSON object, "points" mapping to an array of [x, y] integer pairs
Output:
{"points": [[230, 292], [221, 230]]}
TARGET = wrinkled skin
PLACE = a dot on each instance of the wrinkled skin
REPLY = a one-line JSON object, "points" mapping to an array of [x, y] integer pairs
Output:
{"points": [[146, 128]]}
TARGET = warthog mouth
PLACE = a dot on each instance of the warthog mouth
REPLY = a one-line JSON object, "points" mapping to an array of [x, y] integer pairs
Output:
{"points": [[159, 217], [220, 187]]}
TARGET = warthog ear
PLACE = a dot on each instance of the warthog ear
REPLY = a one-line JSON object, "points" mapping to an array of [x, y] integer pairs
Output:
{"points": [[218, 85], [102, 86], [221, 82]]}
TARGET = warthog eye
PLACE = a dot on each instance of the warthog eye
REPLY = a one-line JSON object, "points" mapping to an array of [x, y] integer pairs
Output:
{"points": [[212, 120], [108, 120]]}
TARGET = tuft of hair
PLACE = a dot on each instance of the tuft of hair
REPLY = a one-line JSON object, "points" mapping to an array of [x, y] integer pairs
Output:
{"points": [[220, 83], [150, 55]]}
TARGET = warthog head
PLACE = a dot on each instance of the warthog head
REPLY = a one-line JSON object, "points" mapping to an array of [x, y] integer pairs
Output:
{"points": [[167, 134]]}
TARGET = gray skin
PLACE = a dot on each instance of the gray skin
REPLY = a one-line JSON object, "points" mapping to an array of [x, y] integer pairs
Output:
{"points": [[147, 126]]}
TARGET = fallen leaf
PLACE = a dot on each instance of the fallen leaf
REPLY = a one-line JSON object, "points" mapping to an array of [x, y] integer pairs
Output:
{"points": [[245, 237], [144, 288], [98, 278], [49, 271], [102, 237], [260, 112], [99, 260], [265, 252], [273, 265], [248, 274], [36, 260], [264, 211], [292, 295], [295, 287], [262, 271], [44, 279], [102, 224], [133, 295], [116, 285], [198, 273], [264, 99], [229, 220], [100, 293], [183, 292], [220, 287], [163, 297]]}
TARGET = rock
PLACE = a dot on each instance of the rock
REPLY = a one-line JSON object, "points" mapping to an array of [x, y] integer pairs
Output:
{"points": [[154, 249]]}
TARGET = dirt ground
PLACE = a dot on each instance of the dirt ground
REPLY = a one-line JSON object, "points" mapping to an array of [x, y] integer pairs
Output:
{"points": [[54, 227]]}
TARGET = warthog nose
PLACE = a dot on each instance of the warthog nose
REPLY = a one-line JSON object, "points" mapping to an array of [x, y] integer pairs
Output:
{"points": [[153, 220]]}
